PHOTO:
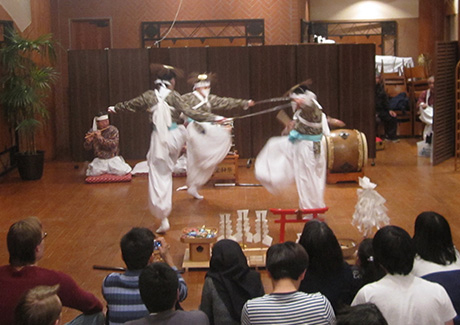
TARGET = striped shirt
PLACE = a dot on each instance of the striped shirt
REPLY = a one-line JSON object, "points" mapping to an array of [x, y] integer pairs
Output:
{"points": [[288, 308], [124, 303]]}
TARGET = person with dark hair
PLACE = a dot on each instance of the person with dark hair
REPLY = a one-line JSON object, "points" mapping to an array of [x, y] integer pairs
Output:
{"points": [[434, 246], [299, 157], [39, 306], [229, 284], [328, 273], [165, 106], [286, 264], [121, 291], [402, 297], [159, 290], [26, 245], [207, 143], [383, 113], [367, 270], [365, 314], [437, 259], [103, 138]]}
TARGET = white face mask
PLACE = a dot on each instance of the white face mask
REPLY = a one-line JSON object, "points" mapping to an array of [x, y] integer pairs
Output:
{"points": [[205, 92]]}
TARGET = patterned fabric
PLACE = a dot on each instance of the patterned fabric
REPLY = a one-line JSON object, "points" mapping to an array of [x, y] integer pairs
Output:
{"points": [[288, 308], [106, 146], [214, 102], [108, 178], [124, 303]]}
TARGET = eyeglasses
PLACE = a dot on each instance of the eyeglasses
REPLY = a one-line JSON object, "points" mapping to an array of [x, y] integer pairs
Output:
{"points": [[44, 235]]}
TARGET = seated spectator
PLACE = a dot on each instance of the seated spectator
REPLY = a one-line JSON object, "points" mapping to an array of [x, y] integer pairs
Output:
{"points": [[383, 112], [159, 288], [229, 284], [366, 269], [25, 240], [365, 314], [286, 264], [39, 306], [328, 273], [425, 104], [121, 291], [433, 245], [103, 139], [437, 259], [402, 297]]}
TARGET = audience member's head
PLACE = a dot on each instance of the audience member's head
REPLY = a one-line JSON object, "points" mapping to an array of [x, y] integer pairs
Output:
{"points": [[228, 256], [394, 250], [433, 238], [137, 248], [322, 246], [370, 270], [158, 285], [25, 242], [286, 260], [365, 314], [39, 306]]}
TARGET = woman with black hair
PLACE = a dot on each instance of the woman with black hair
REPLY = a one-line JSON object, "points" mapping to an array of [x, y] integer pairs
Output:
{"points": [[229, 284], [367, 270], [327, 272], [434, 246]]}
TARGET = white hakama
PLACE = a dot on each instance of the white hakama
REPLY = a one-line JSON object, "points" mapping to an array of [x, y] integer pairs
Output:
{"points": [[282, 162], [207, 145], [114, 166], [426, 116], [161, 158]]}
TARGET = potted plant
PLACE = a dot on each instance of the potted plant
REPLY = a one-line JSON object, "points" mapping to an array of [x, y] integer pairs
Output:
{"points": [[26, 79]]}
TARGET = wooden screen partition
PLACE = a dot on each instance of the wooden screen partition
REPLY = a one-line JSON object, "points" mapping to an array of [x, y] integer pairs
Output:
{"points": [[444, 114], [357, 90], [343, 78], [88, 92]]}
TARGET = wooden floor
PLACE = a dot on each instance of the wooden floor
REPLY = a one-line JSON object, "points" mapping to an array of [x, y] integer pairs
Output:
{"points": [[85, 222]]}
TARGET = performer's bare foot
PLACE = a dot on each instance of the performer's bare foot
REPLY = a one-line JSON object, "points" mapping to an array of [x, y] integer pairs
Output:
{"points": [[193, 192], [164, 227]]}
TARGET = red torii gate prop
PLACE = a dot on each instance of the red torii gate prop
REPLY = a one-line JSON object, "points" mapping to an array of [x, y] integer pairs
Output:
{"points": [[298, 213]]}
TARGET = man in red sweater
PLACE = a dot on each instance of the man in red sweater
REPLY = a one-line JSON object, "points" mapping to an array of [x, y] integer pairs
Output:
{"points": [[25, 242]]}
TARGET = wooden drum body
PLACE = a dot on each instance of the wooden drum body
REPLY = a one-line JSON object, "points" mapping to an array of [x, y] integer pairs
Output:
{"points": [[346, 152]]}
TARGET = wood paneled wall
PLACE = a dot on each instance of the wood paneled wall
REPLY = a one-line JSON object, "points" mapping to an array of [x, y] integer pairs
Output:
{"points": [[444, 115], [343, 78]]}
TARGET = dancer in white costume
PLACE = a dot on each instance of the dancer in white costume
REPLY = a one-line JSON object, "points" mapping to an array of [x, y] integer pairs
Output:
{"points": [[299, 157], [168, 136], [207, 143]]}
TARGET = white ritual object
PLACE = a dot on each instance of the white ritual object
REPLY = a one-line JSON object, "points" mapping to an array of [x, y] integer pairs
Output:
{"points": [[370, 211]]}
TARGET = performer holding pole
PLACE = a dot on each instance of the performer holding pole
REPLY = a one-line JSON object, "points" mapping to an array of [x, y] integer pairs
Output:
{"points": [[168, 136], [299, 157], [207, 143]]}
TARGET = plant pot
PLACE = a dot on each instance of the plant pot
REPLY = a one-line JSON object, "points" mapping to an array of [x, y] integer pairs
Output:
{"points": [[30, 166]]}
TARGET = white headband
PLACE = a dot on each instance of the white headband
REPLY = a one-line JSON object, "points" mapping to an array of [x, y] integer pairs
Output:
{"points": [[162, 82], [202, 84], [99, 118]]}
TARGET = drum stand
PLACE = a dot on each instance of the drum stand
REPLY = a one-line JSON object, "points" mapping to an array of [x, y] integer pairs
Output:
{"points": [[333, 178]]}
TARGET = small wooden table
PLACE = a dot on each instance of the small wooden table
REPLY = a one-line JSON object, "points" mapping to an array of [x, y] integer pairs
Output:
{"points": [[198, 253]]}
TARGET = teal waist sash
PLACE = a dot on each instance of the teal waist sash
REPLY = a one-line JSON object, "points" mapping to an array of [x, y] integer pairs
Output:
{"points": [[296, 136]]}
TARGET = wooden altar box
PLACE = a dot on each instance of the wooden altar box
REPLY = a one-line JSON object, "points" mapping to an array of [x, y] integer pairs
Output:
{"points": [[227, 169]]}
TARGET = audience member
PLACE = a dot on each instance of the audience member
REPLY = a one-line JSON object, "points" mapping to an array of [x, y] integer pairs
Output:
{"points": [[365, 314], [286, 264], [103, 138], [229, 284], [425, 104], [328, 273], [121, 291], [402, 297], [434, 246], [437, 259], [39, 306], [366, 269], [25, 241], [383, 112], [159, 290]]}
